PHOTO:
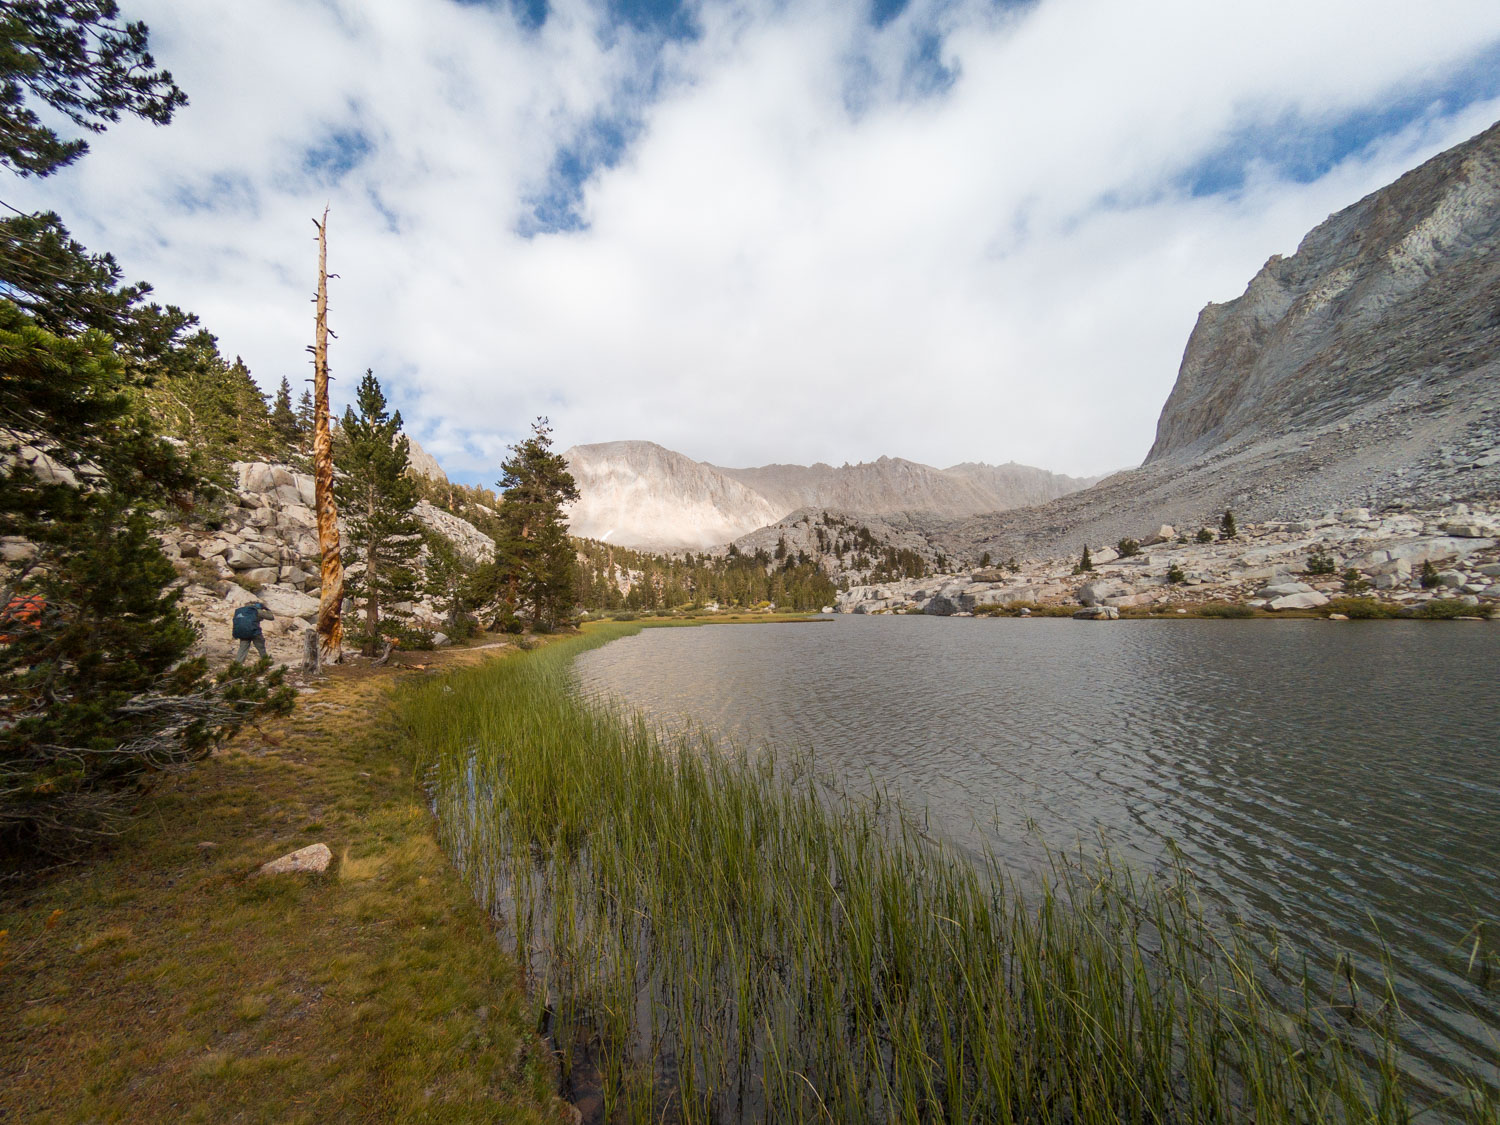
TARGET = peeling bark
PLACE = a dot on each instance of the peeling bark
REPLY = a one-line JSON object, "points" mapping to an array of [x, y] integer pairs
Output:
{"points": [[331, 596]]}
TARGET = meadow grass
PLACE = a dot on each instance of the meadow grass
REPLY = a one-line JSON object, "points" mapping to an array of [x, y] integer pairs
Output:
{"points": [[162, 980], [729, 938]]}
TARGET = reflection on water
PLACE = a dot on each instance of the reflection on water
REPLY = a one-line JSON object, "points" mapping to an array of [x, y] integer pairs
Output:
{"points": [[1340, 782]]}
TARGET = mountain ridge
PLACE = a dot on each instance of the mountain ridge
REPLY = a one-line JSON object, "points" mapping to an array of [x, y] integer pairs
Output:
{"points": [[640, 494]]}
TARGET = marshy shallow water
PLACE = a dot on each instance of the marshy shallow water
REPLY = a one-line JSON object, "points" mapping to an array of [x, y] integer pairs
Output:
{"points": [[1338, 783]]}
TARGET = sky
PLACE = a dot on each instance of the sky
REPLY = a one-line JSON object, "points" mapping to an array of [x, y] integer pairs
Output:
{"points": [[947, 230]]}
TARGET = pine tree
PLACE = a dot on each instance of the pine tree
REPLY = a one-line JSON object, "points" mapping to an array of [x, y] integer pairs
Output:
{"points": [[305, 415], [447, 578], [534, 553], [1085, 564], [376, 498], [214, 406], [1227, 530], [95, 683], [77, 58], [95, 686], [283, 420]]}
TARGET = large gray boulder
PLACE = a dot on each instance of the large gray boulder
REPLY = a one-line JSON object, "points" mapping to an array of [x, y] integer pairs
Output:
{"points": [[1311, 599], [283, 601], [1005, 595], [254, 476], [1417, 551], [1283, 589], [250, 556], [1093, 593], [296, 516], [1097, 613]]}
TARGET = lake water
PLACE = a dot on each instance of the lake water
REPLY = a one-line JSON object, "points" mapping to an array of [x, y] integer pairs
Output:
{"points": [[1339, 782]]}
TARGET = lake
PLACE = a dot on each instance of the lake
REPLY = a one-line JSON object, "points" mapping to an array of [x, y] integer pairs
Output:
{"points": [[1338, 782]]}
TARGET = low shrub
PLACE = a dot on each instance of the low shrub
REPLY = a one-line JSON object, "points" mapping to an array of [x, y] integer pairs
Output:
{"points": [[1225, 609], [1032, 609], [1320, 562], [1360, 609], [1175, 575], [1446, 609], [1129, 548]]}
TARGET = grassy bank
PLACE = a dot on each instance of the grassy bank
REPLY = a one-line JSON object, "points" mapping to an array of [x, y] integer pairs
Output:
{"points": [[1353, 608], [163, 981], [725, 937]]}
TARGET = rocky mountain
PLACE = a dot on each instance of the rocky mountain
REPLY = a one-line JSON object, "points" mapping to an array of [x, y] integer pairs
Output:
{"points": [[1395, 294], [848, 547], [1363, 370], [639, 494], [422, 463], [1019, 486], [892, 485]]}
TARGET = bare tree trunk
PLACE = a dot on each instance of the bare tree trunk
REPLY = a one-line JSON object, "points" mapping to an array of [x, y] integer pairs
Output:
{"points": [[331, 597], [372, 596], [310, 652]]}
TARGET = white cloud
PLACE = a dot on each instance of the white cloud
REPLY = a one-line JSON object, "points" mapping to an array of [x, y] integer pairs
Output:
{"points": [[797, 257]]}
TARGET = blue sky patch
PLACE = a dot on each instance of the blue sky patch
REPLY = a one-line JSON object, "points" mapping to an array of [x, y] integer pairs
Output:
{"points": [[925, 74], [339, 153], [600, 145], [1302, 149]]}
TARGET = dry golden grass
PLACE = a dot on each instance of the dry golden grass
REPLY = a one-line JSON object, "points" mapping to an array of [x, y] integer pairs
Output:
{"points": [[164, 981]]}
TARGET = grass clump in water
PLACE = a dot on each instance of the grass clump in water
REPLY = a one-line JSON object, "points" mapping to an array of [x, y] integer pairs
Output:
{"points": [[735, 941], [1360, 609]]}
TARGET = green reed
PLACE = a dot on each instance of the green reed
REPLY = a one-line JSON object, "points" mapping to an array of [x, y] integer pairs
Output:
{"points": [[731, 938]]}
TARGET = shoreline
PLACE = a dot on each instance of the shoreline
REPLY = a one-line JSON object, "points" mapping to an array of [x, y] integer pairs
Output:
{"points": [[594, 801]]}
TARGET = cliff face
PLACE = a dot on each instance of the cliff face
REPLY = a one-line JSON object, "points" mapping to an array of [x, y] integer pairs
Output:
{"points": [[1362, 372], [1398, 293], [638, 494]]}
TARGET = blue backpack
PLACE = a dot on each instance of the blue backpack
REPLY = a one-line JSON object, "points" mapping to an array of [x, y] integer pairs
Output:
{"points": [[246, 622]]}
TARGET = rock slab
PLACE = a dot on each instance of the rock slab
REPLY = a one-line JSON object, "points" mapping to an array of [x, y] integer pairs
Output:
{"points": [[314, 858]]}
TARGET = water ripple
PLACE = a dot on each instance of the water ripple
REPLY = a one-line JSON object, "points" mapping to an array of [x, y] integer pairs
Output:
{"points": [[1340, 784]]}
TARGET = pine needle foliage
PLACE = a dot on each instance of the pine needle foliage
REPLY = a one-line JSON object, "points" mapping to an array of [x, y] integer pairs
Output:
{"points": [[534, 556], [376, 498], [283, 418], [82, 62], [96, 688]]}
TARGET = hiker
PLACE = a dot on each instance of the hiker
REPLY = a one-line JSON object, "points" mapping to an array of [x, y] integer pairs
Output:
{"points": [[247, 621]]}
